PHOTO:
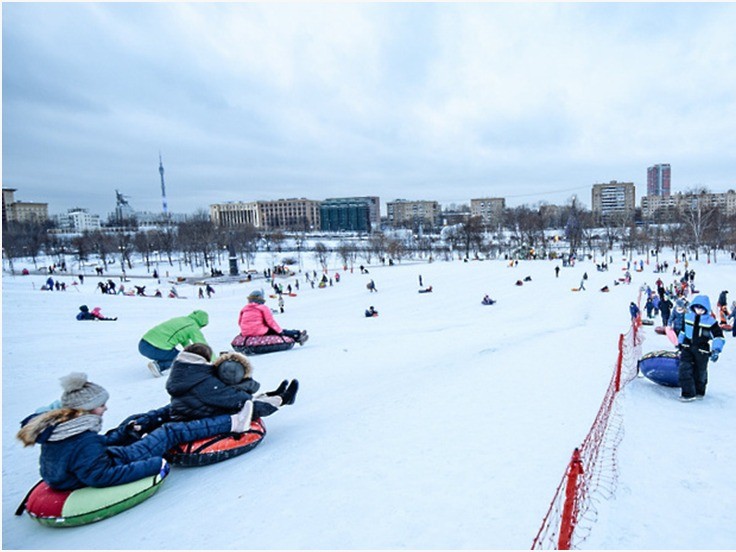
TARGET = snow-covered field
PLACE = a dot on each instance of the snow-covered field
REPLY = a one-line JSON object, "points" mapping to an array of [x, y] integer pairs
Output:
{"points": [[440, 424]]}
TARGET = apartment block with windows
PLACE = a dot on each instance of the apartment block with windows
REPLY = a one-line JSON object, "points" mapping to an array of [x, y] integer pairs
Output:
{"points": [[281, 214], [356, 214], [665, 208], [659, 180], [22, 211], [490, 209], [402, 212], [613, 200]]}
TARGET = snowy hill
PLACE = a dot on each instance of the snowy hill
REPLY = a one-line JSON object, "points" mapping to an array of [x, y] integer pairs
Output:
{"points": [[440, 424]]}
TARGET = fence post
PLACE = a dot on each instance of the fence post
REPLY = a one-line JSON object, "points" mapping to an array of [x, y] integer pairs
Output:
{"points": [[619, 363], [569, 510]]}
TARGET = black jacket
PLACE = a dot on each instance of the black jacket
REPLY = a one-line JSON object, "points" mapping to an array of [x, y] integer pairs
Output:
{"points": [[196, 392]]}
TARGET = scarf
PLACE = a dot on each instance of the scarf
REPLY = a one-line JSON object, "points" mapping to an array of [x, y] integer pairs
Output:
{"points": [[86, 422]]}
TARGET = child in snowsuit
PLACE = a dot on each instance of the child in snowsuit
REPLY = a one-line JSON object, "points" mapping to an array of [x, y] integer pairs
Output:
{"points": [[700, 341], [74, 454], [634, 311], [665, 308], [256, 319], [677, 317], [160, 342], [84, 313], [371, 312], [199, 389]]}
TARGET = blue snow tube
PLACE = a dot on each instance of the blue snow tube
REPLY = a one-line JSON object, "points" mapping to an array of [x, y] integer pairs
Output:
{"points": [[661, 367]]}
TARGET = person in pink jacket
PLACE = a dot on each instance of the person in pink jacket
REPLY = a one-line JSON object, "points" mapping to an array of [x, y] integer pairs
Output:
{"points": [[256, 319]]}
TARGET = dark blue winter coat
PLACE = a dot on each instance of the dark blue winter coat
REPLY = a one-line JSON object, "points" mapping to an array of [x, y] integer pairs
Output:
{"points": [[86, 461], [707, 329], [196, 392]]}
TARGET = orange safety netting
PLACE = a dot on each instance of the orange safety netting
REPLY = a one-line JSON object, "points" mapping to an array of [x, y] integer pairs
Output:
{"points": [[592, 473]]}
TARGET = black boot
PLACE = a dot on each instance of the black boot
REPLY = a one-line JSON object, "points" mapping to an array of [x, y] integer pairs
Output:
{"points": [[279, 390], [289, 395]]}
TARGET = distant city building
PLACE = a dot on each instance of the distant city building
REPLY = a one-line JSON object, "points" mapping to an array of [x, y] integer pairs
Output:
{"points": [[658, 180], [282, 214], [613, 200], [665, 208], [356, 214], [22, 211], [402, 212], [78, 220], [490, 209]]}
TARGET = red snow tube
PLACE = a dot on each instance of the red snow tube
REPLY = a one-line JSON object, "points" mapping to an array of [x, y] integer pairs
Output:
{"points": [[261, 344], [218, 448]]}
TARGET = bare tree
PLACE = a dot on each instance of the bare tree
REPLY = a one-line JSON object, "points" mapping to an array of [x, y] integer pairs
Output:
{"points": [[697, 212]]}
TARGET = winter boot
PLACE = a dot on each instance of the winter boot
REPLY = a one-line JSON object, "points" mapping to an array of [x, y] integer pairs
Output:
{"points": [[241, 420], [154, 368], [289, 395], [302, 339], [279, 390]]}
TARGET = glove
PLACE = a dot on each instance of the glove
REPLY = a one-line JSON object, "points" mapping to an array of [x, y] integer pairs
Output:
{"points": [[165, 468], [714, 356]]}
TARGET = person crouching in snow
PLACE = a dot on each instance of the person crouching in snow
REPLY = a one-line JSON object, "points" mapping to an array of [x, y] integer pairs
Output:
{"points": [[200, 389], [371, 312], [256, 319], [74, 454], [701, 340]]}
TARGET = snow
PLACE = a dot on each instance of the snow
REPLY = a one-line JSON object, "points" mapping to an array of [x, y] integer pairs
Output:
{"points": [[440, 424]]}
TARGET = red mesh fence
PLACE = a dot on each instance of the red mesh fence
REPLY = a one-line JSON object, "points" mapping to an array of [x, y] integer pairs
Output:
{"points": [[592, 473]]}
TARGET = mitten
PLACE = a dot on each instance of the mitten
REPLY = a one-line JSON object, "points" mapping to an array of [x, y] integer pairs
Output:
{"points": [[165, 468], [714, 356]]}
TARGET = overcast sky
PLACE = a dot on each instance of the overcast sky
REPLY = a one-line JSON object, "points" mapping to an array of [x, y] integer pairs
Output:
{"points": [[446, 102]]}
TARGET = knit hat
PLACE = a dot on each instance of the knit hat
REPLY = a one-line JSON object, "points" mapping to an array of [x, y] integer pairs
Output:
{"points": [[680, 303], [84, 308], [81, 394], [232, 368], [256, 296]]}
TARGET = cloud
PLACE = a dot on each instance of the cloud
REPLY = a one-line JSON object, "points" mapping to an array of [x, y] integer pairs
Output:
{"points": [[433, 101]]}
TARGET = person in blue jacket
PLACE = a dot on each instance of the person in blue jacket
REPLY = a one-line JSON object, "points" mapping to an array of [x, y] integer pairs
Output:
{"points": [[633, 311], [74, 454], [700, 340]]}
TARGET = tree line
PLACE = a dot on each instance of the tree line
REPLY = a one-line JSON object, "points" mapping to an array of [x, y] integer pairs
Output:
{"points": [[519, 232]]}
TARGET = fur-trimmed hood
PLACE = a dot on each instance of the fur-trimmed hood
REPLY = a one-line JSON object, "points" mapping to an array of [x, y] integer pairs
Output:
{"points": [[225, 360], [31, 432]]}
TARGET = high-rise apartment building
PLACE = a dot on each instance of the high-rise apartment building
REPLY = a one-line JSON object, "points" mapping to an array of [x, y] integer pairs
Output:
{"points": [[613, 199], [658, 180]]}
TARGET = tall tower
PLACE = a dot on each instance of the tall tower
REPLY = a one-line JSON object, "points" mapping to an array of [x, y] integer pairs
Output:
{"points": [[658, 180], [163, 186]]}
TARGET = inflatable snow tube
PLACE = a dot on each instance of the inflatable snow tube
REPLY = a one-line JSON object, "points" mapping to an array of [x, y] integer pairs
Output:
{"points": [[661, 367], [87, 505], [261, 344], [218, 448]]}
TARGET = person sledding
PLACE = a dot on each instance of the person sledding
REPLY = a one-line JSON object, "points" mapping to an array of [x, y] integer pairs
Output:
{"points": [[370, 312], [371, 286], [95, 314], [200, 388], [74, 454], [487, 300], [255, 319], [160, 343], [701, 340]]}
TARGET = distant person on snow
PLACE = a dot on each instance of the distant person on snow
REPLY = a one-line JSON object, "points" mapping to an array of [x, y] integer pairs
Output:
{"points": [[487, 300], [634, 311], [160, 342], [700, 341], [256, 319], [75, 455], [371, 312]]}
